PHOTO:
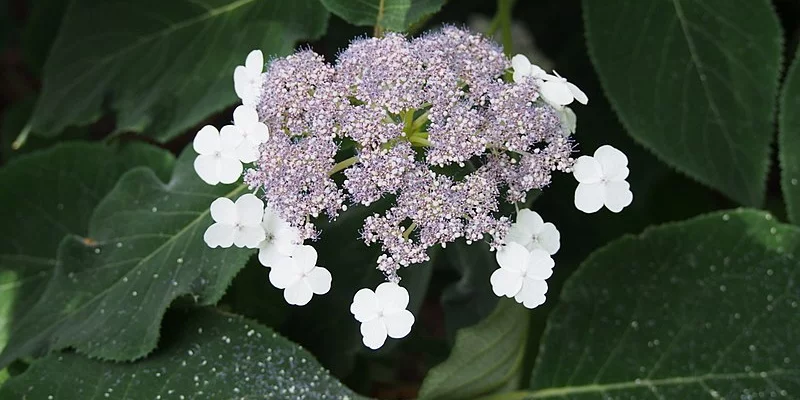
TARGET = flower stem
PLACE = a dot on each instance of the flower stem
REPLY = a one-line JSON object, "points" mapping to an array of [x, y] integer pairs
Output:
{"points": [[378, 31], [502, 20], [341, 165], [419, 141], [420, 121], [409, 230]]}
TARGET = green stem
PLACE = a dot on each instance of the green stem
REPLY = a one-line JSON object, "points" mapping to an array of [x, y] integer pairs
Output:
{"points": [[409, 230], [420, 121], [503, 19], [341, 165], [378, 31], [422, 142]]}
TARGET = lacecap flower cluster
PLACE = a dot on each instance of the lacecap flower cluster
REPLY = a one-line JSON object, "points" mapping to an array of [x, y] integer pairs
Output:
{"points": [[443, 128]]}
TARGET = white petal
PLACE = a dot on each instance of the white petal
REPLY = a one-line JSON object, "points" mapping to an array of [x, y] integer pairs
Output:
{"points": [[530, 220], [618, 196], [254, 62], [512, 256], [229, 170], [374, 333], [241, 82], [319, 280], [206, 141], [365, 305], [230, 136], [298, 294], [269, 255], [556, 92], [540, 265], [519, 234], [537, 72], [286, 238], [247, 152], [304, 258], [250, 209], [621, 175], [521, 63], [506, 282], [398, 324], [590, 197], [532, 294], [244, 117], [223, 210], [392, 296], [549, 239], [206, 168], [518, 76], [219, 235], [578, 93], [258, 133], [283, 276], [611, 160], [569, 122], [248, 236], [587, 170]]}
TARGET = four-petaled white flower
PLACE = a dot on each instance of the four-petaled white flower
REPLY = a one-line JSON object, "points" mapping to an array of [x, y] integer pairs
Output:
{"points": [[523, 68], [280, 241], [560, 92], [247, 78], [522, 274], [236, 223], [554, 89], [217, 160], [382, 313], [602, 181], [533, 233], [300, 277], [253, 131]]}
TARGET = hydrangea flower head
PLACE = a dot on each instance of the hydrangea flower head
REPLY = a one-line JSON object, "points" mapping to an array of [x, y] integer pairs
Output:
{"points": [[434, 133]]}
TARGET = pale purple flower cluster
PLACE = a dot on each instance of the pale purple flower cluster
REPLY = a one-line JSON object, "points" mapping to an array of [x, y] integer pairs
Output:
{"points": [[419, 111]]}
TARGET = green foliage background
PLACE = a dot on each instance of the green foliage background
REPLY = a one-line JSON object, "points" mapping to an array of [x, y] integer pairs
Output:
{"points": [[107, 290]]}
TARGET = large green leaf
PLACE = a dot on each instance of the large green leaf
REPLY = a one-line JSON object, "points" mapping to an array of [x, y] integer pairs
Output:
{"points": [[705, 308], [485, 356], [205, 355], [144, 248], [49, 195], [789, 141], [394, 15], [161, 66], [695, 81]]}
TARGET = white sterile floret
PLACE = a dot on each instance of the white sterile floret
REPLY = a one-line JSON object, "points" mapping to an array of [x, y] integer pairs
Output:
{"points": [[554, 89], [247, 78], [217, 160], [560, 92], [280, 241], [300, 277], [533, 233], [236, 223], [602, 181], [523, 68], [253, 131], [382, 313], [522, 274]]}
